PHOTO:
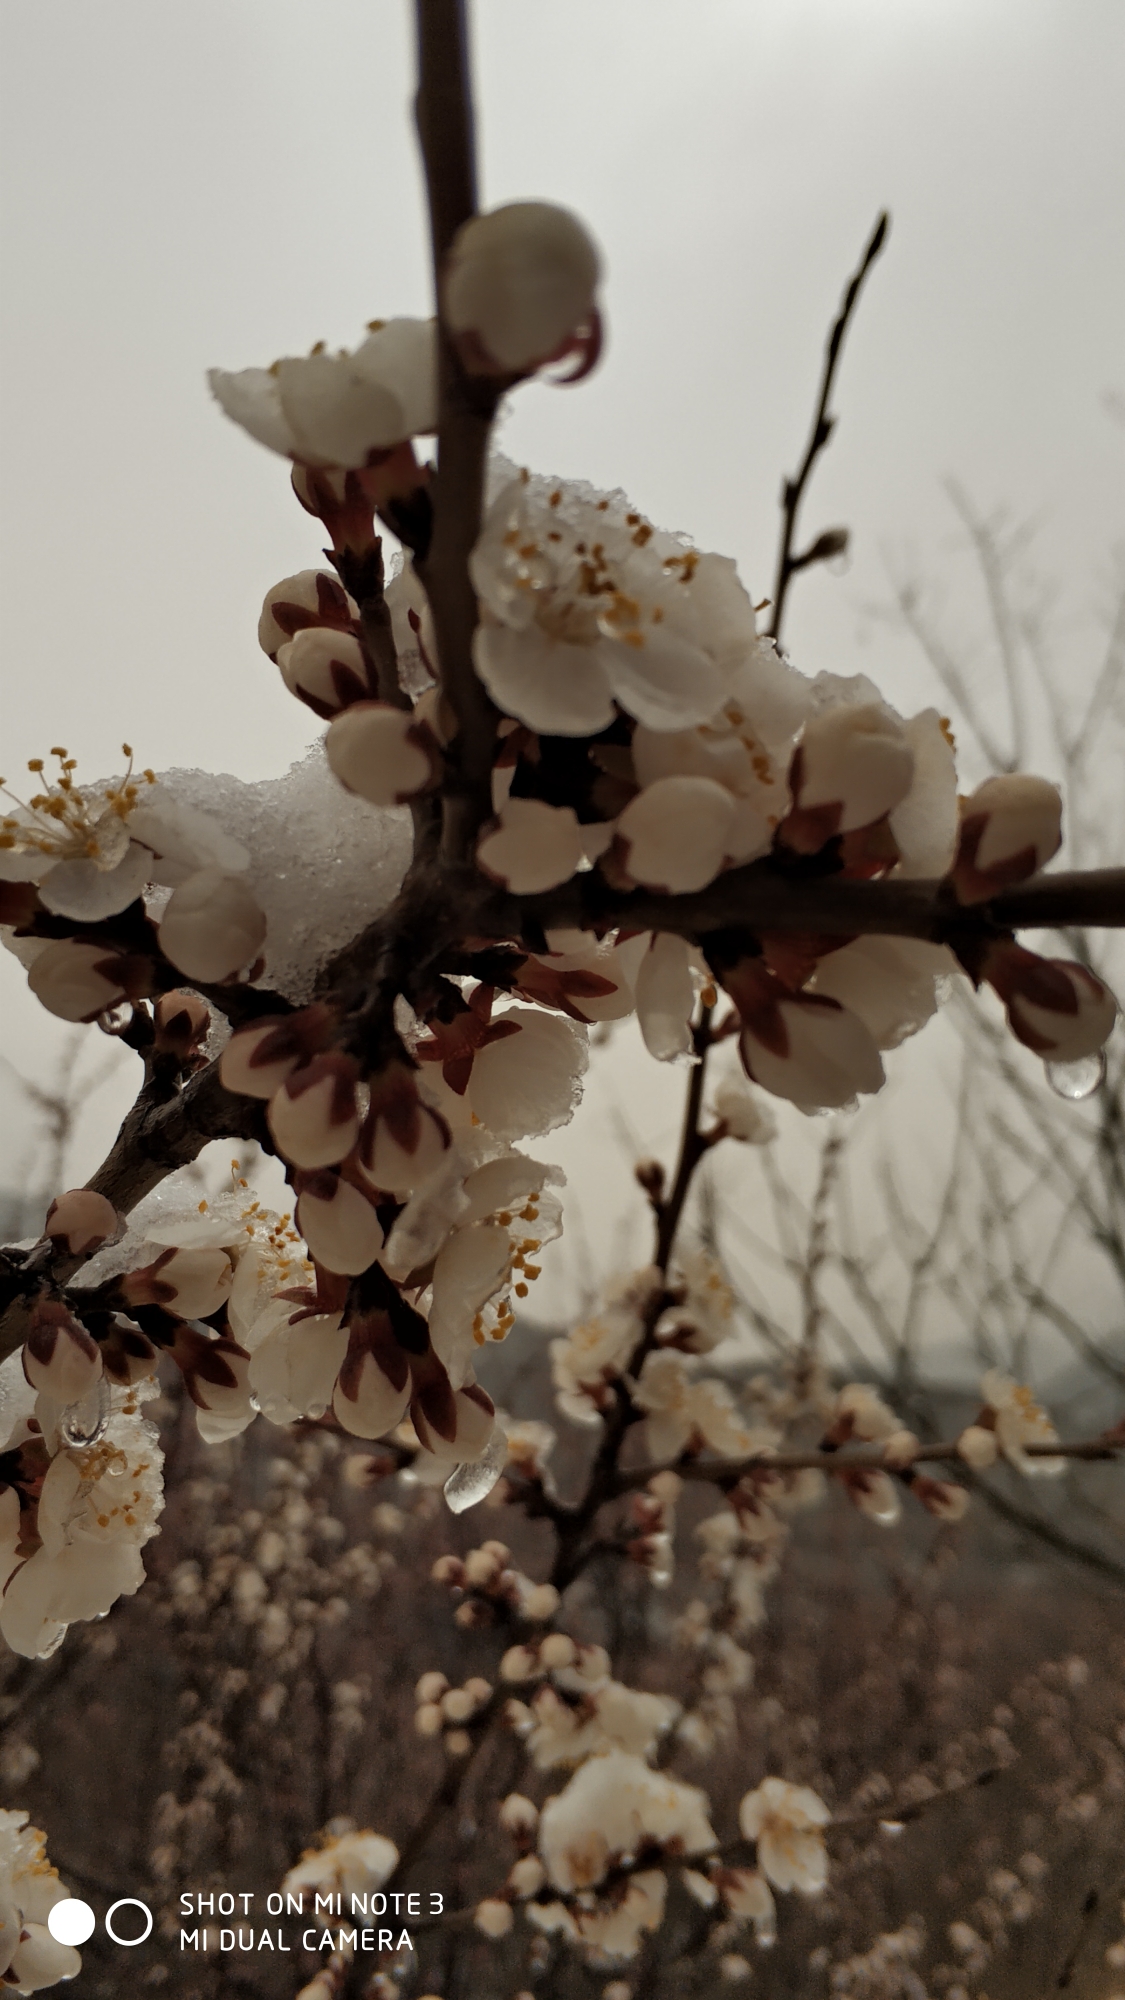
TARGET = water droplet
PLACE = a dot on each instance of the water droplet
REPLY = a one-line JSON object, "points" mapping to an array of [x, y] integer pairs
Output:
{"points": [[114, 1020], [255, 1405], [83, 1423], [469, 1484], [1075, 1080]]}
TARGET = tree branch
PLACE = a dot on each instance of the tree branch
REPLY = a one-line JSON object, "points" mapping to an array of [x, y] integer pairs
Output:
{"points": [[466, 410], [792, 492]]}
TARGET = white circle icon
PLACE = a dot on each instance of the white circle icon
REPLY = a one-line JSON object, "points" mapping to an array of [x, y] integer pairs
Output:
{"points": [[71, 1921], [127, 1903]]}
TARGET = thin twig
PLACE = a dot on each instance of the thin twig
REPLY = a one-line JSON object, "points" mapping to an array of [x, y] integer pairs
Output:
{"points": [[792, 492]]}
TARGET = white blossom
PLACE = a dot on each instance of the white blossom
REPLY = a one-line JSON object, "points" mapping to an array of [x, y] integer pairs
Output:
{"points": [[665, 996], [743, 1112], [97, 1508], [30, 1958], [77, 981], [1020, 1421], [683, 1410], [585, 604], [786, 1820], [612, 1806], [348, 1864], [677, 834], [1011, 826], [339, 409], [382, 754], [810, 1049]]}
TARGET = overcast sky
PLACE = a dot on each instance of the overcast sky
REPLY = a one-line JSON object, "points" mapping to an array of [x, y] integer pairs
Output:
{"points": [[225, 181]]}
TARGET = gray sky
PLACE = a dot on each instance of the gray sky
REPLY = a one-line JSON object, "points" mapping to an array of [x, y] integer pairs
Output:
{"points": [[234, 179]]}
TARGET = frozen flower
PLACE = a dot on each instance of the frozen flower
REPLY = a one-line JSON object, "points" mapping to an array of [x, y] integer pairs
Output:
{"points": [[502, 1214], [404, 1141], [1058, 1009], [518, 288], [786, 1820], [1010, 827], [191, 1282], [314, 1116], [587, 978], [892, 985], [1019, 1421], [520, 1076], [457, 1429], [533, 846], [97, 1507], [613, 1806], [684, 1413], [351, 1864], [296, 1358], [212, 926], [30, 1958], [802, 1046], [339, 409], [676, 835], [853, 765], [385, 755], [586, 605], [312, 598], [90, 849], [924, 824]]}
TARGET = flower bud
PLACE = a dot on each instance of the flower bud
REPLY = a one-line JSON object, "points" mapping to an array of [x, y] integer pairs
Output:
{"points": [[557, 1650], [314, 1117], [874, 1494], [128, 1355], [466, 1424], [82, 1220], [259, 1057], [190, 1283], [533, 846], [1010, 827], [373, 1386], [528, 1874], [978, 1447], [403, 1141], [519, 288], [212, 926], [325, 669], [799, 1045], [77, 982], [59, 1356], [493, 1917], [518, 1815], [337, 1222], [312, 597], [381, 753], [217, 1378], [541, 1603], [853, 764], [182, 1021], [457, 1705], [520, 1663], [428, 1719], [943, 1498], [430, 1687], [1054, 1007], [676, 835]]}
